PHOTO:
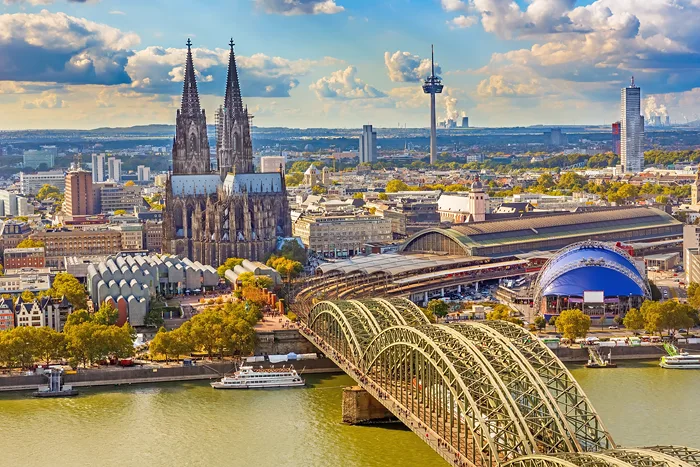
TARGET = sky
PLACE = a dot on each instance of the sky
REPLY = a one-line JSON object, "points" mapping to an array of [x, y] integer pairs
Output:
{"points": [[83, 64]]}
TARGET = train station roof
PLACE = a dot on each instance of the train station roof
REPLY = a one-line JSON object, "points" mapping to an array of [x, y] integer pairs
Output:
{"points": [[394, 263]]}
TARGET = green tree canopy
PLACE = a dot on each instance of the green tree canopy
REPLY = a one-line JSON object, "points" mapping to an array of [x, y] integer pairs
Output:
{"points": [[395, 185], [503, 313], [634, 320], [228, 264], [48, 191], [66, 284], [438, 308], [107, 314], [573, 324], [31, 243]]}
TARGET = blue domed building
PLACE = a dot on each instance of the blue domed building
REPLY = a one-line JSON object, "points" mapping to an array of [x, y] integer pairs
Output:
{"points": [[601, 280]]}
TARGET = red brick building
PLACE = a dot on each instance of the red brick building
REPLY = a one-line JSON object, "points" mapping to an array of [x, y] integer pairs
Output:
{"points": [[17, 258]]}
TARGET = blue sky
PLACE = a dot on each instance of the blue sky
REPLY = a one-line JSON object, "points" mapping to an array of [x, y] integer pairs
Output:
{"points": [[342, 63]]}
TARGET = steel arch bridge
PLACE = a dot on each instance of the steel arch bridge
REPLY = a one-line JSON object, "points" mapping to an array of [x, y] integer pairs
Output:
{"points": [[482, 394]]}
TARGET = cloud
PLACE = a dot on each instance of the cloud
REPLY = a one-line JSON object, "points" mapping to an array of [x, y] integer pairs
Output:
{"points": [[60, 48], [344, 84], [455, 5], [499, 86], [116, 12], [595, 47], [47, 100], [405, 67], [463, 22], [161, 70], [44, 2], [299, 7]]}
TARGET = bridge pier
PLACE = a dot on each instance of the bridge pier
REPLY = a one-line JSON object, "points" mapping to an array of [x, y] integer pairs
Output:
{"points": [[360, 407]]}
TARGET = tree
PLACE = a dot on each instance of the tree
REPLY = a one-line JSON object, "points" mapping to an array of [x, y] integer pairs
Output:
{"points": [[154, 318], [50, 344], [48, 191], [661, 199], [293, 179], [30, 243], [66, 284], [120, 212], [130, 183], [319, 190], [161, 344], [77, 317], [383, 196], [357, 196], [545, 181], [27, 296], [286, 267], [395, 185], [693, 293], [503, 313], [540, 323], [293, 250], [438, 308], [107, 314], [634, 320], [228, 264], [247, 279], [573, 324], [552, 321], [22, 346]]}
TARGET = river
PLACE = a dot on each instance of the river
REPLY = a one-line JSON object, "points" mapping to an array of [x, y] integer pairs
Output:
{"points": [[190, 424]]}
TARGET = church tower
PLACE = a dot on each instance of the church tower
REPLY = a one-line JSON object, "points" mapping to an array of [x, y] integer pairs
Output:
{"points": [[234, 147], [191, 145]]}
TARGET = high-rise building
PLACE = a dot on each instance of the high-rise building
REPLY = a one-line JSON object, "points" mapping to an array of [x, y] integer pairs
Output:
{"points": [[34, 158], [114, 169], [79, 199], [98, 168], [272, 163], [432, 85], [616, 138], [143, 173], [14, 205], [631, 130], [368, 145]]}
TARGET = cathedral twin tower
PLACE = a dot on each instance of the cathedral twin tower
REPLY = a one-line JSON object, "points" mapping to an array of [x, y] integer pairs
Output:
{"points": [[210, 216]]}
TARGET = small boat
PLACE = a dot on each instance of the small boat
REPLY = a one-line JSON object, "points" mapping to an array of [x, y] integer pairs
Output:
{"points": [[683, 361], [249, 378]]}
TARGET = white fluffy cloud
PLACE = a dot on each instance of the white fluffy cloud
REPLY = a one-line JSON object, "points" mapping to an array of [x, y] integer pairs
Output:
{"points": [[404, 67], [61, 48], [463, 22], [299, 7], [47, 100], [161, 70], [344, 84]]}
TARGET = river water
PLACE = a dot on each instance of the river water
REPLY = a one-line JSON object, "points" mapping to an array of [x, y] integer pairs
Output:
{"points": [[190, 424]]}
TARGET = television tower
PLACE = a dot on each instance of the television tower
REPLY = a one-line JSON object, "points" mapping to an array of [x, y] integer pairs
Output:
{"points": [[432, 86]]}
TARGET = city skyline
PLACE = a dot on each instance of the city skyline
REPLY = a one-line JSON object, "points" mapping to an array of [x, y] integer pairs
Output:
{"points": [[72, 64]]}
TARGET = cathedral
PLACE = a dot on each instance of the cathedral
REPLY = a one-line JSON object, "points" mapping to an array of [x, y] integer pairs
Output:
{"points": [[211, 215]]}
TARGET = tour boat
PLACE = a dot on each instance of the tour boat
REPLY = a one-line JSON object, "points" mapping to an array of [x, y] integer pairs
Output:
{"points": [[681, 361], [249, 378]]}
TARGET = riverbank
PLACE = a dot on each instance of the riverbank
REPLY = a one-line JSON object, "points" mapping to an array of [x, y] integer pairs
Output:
{"points": [[643, 352], [115, 376]]}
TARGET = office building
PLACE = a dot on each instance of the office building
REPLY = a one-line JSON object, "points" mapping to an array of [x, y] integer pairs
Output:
{"points": [[132, 237], [631, 130], [14, 205], [143, 173], [616, 138], [153, 236], [368, 145], [18, 258], [36, 158], [114, 169], [79, 198], [270, 164], [62, 243], [341, 236], [114, 197], [98, 168], [30, 184]]}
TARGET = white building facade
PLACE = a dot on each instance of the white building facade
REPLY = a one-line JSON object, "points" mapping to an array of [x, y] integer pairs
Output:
{"points": [[98, 168], [114, 169]]}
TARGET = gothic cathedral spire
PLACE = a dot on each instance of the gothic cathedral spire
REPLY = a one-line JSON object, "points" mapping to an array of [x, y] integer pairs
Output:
{"points": [[233, 99], [234, 148], [191, 145]]}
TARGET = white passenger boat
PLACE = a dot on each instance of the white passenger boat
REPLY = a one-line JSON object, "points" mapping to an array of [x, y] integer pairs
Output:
{"points": [[249, 378], [683, 361]]}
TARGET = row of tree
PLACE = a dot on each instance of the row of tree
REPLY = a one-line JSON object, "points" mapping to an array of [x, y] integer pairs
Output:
{"points": [[659, 317], [86, 339], [222, 330]]}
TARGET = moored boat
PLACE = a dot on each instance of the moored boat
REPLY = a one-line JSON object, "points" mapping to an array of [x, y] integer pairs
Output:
{"points": [[683, 361], [250, 378]]}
